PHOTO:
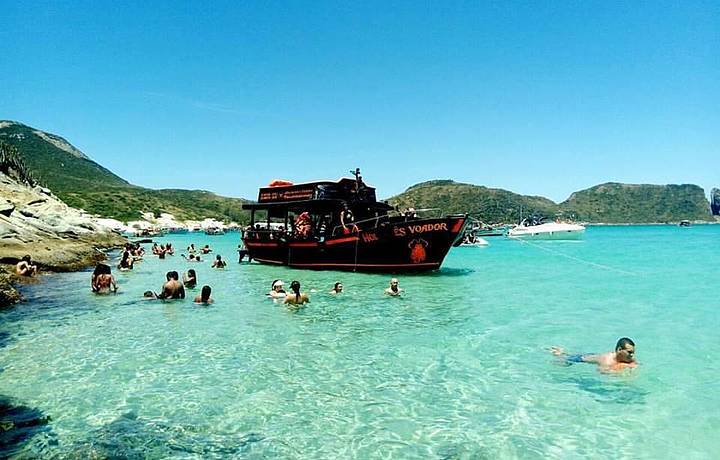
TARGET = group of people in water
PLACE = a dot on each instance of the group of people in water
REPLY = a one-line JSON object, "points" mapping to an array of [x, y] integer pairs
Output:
{"points": [[103, 282]]}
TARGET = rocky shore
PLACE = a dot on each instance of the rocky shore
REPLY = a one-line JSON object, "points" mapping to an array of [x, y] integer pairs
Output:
{"points": [[35, 222]]}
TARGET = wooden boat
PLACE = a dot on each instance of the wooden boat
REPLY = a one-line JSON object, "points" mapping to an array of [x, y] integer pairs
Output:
{"points": [[340, 225]]}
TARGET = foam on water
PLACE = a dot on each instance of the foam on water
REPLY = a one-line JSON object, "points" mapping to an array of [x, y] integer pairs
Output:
{"points": [[457, 368]]}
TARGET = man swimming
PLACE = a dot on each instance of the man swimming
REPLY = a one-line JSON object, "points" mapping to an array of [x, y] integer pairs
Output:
{"points": [[622, 358]]}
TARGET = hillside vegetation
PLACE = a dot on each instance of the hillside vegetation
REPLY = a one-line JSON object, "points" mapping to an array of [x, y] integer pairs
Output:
{"points": [[487, 204], [606, 203], [82, 183], [630, 203]]}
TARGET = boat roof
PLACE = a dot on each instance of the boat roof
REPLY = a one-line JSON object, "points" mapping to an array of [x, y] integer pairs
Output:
{"points": [[344, 189], [278, 209]]}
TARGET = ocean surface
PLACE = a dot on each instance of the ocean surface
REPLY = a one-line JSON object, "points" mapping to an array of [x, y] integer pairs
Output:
{"points": [[456, 368]]}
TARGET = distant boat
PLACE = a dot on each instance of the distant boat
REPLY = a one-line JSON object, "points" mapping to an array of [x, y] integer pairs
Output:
{"points": [[536, 229], [684, 223], [214, 231], [478, 243]]}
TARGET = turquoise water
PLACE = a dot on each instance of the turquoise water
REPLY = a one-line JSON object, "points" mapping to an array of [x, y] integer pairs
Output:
{"points": [[457, 368]]}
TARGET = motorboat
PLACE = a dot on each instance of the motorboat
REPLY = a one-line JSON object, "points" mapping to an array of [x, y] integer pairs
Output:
{"points": [[214, 231], [340, 225], [538, 229]]}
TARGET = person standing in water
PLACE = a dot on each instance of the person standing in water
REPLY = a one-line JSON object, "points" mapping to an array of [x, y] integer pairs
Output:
{"points": [[622, 358], [204, 297], [218, 263], [394, 289], [297, 297], [190, 279], [102, 281], [172, 289]]}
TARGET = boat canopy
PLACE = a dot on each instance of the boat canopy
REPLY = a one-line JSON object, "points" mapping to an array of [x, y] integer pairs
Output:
{"points": [[345, 189], [322, 206]]}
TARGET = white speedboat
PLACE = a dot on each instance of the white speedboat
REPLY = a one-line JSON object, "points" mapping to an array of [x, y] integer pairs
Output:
{"points": [[537, 230]]}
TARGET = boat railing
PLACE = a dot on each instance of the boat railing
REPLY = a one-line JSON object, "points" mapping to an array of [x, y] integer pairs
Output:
{"points": [[364, 224]]}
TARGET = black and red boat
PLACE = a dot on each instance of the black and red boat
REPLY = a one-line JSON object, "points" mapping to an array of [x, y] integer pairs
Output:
{"points": [[340, 225]]}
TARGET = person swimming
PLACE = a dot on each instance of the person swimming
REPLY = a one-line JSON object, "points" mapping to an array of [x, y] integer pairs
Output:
{"points": [[276, 290], [206, 249], [204, 297], [394, 289], [102, 281], [337, 288], [297, 297], [622, 358], [218, 263], [25, 267], [190, 279]]}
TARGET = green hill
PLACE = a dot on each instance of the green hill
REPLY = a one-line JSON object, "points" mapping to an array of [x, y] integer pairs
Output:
{"points": [[487, 204], [633, 203], [82, 183], [607, 203]]}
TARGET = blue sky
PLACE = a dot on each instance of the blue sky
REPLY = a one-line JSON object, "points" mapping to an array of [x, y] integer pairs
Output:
{"points": [[539, 98]]}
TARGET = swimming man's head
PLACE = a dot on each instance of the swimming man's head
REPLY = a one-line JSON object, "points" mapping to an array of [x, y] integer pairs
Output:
{"points": [[625, 350]]}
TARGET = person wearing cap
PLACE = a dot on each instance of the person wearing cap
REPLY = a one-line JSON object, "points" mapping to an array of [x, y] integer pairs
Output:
{"points": [[394, 289], [276, 290]]}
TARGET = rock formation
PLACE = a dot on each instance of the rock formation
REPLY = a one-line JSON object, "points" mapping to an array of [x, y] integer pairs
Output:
{"points": [[57, 237], [715, 201]]}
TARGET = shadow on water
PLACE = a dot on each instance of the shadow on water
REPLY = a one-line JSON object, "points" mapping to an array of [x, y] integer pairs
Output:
{"points": [[607, 391], [132, 438], [18, 424]]}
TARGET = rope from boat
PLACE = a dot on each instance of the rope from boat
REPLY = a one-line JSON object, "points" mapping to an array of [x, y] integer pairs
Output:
{"points": [[577, 259]]}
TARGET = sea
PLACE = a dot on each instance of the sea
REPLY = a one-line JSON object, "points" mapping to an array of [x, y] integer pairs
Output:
{"points": [[458, 367]]}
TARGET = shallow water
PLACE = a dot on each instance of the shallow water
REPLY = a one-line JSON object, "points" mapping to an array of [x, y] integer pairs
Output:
{"points": [[457, 368]]}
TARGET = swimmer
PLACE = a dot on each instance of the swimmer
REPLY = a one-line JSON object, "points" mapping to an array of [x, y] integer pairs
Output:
{"points": [[172, 289], [337, 289], [206, 249], [219, 263], [191, 249], [622, 358], [394, 289], [276, 290], [297, 297], [102, 281], [204, 297], [190, 279], [149, 295], [191, 258], [25, 267]]}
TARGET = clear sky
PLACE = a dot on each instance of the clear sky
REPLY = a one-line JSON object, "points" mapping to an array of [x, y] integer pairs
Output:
{"points": [[536, 97]]}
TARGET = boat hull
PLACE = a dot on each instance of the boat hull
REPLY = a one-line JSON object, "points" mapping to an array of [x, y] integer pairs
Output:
{"points": [[548, 232], [394, 247]]}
